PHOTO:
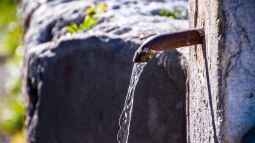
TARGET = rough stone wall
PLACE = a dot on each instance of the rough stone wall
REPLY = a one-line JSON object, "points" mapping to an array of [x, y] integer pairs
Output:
{"points": [[238, 56], [77, 83], [229, 35], [204, 14]]}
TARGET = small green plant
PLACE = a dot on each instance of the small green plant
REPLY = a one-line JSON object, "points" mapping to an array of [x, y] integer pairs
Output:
{"points": [[91, 19], [176, 13], [168, 13]]}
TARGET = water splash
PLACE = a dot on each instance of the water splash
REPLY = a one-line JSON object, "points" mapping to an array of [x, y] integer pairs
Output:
{"points": [[125, 117]]}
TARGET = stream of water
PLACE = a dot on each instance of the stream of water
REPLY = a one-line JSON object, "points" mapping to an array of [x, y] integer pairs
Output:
{"points": [[125, 117]]}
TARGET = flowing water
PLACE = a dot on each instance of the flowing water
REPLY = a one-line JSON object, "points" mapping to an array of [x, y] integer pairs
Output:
{"points": [[125, 117]]}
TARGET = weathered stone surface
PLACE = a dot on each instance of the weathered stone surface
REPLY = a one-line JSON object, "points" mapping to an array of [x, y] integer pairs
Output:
{"points": [[77, 83], [230, 36], [47, 21], [201, 122], [238, 68], [159, 113], [81, 86]]}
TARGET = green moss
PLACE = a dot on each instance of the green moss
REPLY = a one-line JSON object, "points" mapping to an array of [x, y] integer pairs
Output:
{"points": [[176, 13], [167, 13], [91, 19]]}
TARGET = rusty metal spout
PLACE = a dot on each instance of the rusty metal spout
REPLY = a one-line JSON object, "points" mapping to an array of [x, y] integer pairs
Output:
{"points": [[167, 41]]}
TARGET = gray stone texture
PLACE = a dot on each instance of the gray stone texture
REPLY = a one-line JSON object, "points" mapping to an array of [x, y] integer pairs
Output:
{"points": [[230, 43], [77, 83]]}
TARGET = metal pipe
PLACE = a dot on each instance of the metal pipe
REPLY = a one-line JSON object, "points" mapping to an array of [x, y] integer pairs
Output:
{"points": [[167, 41]]}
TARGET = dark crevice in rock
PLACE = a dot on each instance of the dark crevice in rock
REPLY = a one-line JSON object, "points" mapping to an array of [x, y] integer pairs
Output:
{"points": [[33, 98]]}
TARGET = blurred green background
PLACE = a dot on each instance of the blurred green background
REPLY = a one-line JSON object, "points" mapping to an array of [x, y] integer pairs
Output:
{"points": [[12, 104]]}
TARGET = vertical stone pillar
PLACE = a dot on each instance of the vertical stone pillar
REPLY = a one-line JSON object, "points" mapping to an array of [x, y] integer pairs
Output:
{"points": [[230, 52]]}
